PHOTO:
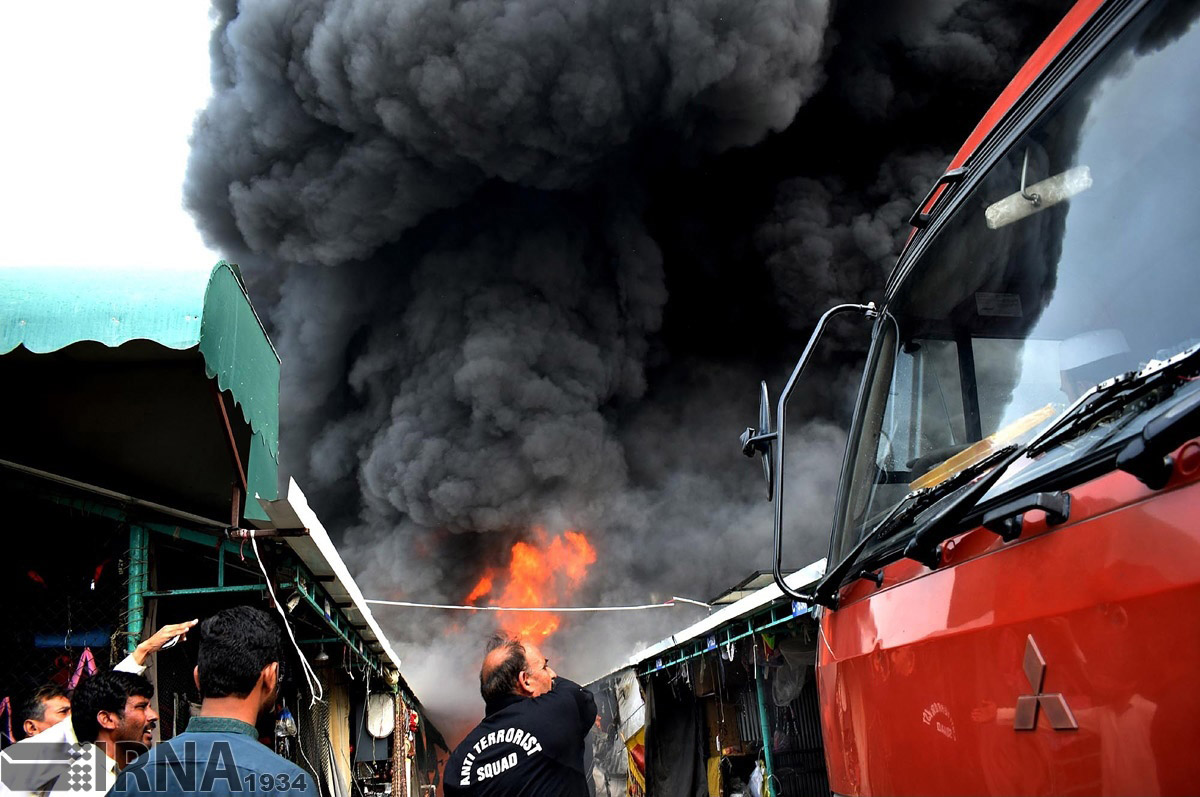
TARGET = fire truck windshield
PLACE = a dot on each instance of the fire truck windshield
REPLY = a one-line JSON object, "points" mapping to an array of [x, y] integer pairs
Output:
{"points": [[1073, 260]]}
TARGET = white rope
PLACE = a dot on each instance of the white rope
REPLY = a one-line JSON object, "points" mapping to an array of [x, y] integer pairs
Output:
{"points": [[689, 600], [310, 675], [467, 608]]}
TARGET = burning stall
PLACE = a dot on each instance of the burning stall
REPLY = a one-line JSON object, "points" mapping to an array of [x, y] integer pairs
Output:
{"points": [[726, 707], [138, 470]]}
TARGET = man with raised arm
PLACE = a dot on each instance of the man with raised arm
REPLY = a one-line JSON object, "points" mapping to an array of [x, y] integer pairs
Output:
{"points": [[34, 763], [531, 740], [237, 673], [46, 708]]}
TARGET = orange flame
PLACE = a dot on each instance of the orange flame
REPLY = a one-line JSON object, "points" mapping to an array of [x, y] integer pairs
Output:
{"points": [[482, 588], [539, 573]]}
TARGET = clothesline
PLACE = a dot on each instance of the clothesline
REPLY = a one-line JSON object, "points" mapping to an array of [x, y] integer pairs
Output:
{"points": [[639, 607]]}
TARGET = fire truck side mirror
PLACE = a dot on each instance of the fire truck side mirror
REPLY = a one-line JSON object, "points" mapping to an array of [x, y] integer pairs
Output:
{"points": [[758, 441], [771, 443]]}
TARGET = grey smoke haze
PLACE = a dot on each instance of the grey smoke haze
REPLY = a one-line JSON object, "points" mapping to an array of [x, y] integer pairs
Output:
{"points": [[526, 262]]}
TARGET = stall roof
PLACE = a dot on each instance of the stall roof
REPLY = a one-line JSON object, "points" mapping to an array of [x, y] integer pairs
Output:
{"points": [[734, 611], [319, 555], [747, 586], [46, 310]]}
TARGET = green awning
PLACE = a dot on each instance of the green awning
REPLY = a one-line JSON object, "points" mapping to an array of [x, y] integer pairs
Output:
{"points": [[47, 310]]}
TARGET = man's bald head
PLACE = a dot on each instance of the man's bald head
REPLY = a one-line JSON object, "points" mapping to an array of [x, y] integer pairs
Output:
{"points": [[502, 668]]}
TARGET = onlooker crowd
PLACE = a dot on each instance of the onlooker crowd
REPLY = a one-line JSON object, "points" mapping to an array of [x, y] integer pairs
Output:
{"points": [[99, 739]]}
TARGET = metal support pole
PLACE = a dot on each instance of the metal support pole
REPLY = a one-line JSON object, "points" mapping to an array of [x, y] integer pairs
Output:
{"points": [[221, 566], [139, 556], [768, 759], [399, 754]]}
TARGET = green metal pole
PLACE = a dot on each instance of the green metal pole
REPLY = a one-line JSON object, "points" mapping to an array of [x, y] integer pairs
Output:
{"points": [[768, 759], [139, 545]]}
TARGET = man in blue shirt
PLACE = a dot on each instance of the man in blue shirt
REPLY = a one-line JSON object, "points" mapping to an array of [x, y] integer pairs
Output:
{"points": [[219, 753]]}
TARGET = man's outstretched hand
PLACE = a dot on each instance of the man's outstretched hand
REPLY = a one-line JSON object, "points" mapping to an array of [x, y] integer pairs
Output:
{"points": [[161, 637]]}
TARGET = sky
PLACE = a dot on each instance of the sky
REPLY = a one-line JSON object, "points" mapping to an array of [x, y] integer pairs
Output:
{"points": [[99, 100]]}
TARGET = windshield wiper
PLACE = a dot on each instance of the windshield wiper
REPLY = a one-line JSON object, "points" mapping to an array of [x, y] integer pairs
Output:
{"points": [[1100, 403], [1103, 402], [1111, 397], [1147, 455], [912, 505]]}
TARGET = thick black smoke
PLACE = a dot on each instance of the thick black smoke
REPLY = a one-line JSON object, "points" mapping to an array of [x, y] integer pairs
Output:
{"points": [[525, 263]]}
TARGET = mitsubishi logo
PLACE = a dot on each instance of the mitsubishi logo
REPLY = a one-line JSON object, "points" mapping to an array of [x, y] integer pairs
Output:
{"points": [[1054, 705]]}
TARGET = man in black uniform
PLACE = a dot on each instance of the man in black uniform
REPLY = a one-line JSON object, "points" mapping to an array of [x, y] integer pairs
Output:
{"points": [[531, 740]]}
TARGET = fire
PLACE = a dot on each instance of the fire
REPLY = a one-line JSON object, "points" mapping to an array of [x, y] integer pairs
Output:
{"points": [[482, 588], [540, 573]]}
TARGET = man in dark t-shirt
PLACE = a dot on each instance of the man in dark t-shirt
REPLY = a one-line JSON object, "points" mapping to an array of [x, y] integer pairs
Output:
{"points": [[531, 741]]}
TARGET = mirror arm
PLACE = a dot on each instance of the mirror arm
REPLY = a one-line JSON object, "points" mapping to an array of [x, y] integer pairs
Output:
{"points": [[756, 442], [869, 311]]}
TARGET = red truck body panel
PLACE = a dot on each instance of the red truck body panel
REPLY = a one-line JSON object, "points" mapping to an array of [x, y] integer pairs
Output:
{"points": [[920, 679]]}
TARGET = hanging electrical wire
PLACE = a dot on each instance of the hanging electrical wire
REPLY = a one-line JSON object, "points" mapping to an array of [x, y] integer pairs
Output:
{"points": [[667, 604], [310, 675]]}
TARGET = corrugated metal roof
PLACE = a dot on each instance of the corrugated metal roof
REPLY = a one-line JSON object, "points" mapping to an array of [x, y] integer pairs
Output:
{"points": [[747, 605], [727, 614], [747, 586]]}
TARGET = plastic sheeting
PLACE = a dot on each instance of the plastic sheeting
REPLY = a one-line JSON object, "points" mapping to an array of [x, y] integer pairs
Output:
{"points": [[674, 766]]}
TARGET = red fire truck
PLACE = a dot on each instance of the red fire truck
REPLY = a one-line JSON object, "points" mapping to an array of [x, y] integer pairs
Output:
{"points": [[1012, 604]]}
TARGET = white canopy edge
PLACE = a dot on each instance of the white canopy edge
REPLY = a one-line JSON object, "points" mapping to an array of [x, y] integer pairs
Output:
{"points": [[318, 553], [734, 611]]}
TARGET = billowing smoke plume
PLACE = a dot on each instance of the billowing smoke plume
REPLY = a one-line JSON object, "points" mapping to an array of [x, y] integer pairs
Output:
{"points": [[525, 263]]}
